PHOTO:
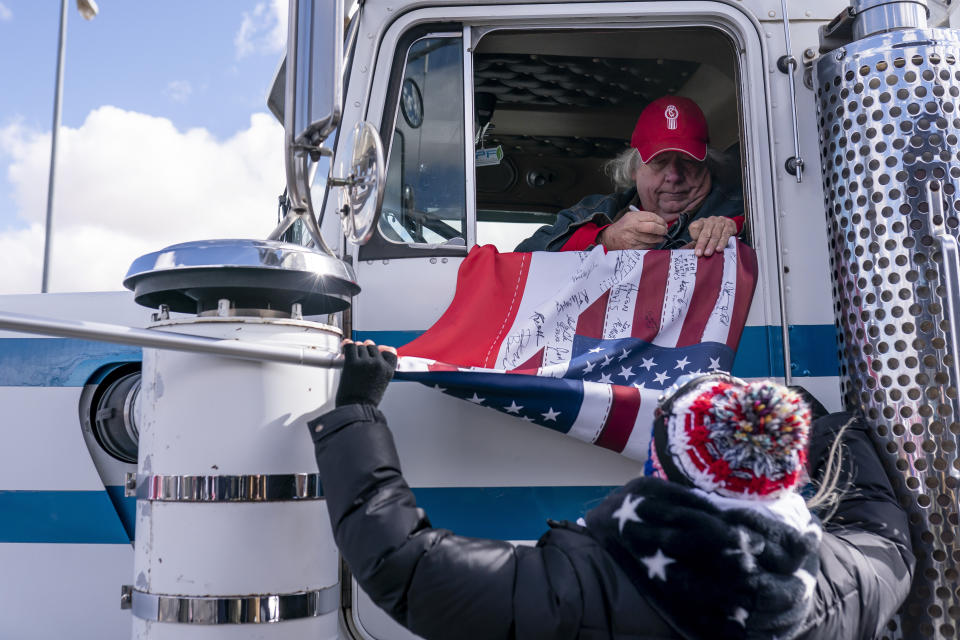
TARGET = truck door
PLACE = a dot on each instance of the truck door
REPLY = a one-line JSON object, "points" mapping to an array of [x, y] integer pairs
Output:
{"points": [[493, 124]]}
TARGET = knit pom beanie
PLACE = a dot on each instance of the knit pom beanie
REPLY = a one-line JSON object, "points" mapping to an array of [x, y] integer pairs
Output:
{"points": [[726, 436]]}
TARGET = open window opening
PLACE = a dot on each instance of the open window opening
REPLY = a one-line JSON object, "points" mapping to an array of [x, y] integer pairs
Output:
{"points": [[554, 107], [550, 107]]}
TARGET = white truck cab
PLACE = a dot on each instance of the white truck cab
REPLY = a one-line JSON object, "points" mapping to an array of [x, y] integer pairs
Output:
{"points": [[459, 124]]}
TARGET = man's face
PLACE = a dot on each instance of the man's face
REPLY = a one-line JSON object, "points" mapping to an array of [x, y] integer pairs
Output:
{"points": [[672, 183]]}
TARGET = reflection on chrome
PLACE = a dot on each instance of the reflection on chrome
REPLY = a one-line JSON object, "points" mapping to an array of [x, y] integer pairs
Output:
{"points": [[243, 488], [250, 609]]}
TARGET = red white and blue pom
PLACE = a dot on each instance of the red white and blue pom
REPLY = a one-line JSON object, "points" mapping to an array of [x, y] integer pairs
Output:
{"points": [[739, 439]]}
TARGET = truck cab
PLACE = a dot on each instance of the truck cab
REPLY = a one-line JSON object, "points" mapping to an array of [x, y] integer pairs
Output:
{"points": [[492, 119]]}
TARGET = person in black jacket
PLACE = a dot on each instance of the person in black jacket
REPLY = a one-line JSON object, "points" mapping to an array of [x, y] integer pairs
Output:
{"points": [[655, 560]]}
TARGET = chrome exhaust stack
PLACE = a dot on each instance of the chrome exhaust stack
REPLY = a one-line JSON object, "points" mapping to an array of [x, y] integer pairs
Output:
{"points": [[882, 16], [888, 112]]}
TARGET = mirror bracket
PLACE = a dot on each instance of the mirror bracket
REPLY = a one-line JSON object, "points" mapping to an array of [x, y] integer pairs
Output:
{"points": [[314, 151]]}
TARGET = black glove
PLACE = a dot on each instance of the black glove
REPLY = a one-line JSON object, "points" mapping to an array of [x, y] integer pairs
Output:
{"points": [[366, 373]]}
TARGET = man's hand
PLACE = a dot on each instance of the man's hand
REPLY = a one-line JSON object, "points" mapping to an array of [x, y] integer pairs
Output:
{"points": [[634, 230], [367, 370], [710, 234]]}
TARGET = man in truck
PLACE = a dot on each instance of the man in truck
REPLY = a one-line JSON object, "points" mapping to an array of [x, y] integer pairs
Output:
{"points": [[670, 199], [718, 544]]}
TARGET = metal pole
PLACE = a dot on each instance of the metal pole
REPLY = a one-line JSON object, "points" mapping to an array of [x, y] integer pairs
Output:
{"points": [[57, 102], [791, 64], [155, 339]]}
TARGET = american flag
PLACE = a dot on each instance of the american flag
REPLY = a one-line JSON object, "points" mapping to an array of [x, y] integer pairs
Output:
{"points": [[584, 342]]}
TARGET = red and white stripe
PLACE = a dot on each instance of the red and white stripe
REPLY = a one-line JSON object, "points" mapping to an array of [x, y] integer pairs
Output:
{"points": [[718, 324], [622, 300], [681, 279], [544, 326], [520, 312], [616, 417], [525, 316]]}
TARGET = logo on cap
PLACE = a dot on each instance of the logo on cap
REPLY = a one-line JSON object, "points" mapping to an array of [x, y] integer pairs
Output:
{"points": [[671, 114], [670, 123]]}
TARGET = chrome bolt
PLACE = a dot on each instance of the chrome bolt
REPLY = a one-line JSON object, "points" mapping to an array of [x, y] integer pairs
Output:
{"points": [[126, 596], [130, 484]]}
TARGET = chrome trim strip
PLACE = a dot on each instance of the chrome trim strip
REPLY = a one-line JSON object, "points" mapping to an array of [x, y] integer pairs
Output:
{"points": [[470, 156], [271, 255], [251, 609], [244, 488]]}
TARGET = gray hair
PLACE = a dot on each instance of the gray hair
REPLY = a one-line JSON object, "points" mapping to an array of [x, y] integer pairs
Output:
{"points": [[622, 168]]}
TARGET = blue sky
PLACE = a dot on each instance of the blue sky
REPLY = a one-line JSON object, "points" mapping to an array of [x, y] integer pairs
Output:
{"points": [[166, 98]]}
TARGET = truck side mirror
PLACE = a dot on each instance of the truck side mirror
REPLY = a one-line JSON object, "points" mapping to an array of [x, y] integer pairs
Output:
{"points": [[312, 102], [310, 81], [311, 106], [314, 71]]}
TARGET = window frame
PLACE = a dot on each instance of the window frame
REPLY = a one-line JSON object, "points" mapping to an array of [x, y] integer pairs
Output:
{"points": [[452, 35], [380, 247], [473, 25]]}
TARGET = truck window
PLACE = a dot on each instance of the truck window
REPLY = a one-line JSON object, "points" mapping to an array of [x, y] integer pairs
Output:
{"points": [[425, 200], [549, 108], [554, 106]]}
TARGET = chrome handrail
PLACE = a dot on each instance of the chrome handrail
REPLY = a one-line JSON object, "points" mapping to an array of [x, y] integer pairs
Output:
{"points": [[790, 65], [156, 339]]}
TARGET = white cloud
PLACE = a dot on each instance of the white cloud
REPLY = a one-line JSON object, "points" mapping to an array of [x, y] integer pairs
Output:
{"points": [[5, 14], [129, 184], [263, 30], [179, 90]]}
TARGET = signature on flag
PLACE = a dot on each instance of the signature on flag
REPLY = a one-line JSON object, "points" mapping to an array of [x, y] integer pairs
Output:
{"points": [[584, 343]]}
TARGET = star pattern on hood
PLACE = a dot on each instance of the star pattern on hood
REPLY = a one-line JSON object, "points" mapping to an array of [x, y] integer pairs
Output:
{"points": [[627, 511], [657, 565]]}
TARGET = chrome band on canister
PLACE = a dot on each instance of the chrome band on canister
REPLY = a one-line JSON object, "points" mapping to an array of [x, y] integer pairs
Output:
{"points": [[249, 609], [243, 488]]}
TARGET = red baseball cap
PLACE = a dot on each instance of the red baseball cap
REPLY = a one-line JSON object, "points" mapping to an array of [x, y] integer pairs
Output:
{"points": [[671, 123]]}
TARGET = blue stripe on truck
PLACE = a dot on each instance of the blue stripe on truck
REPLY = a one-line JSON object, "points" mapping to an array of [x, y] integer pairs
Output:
{"points": [[57, 362], [75, 517], [813, 349], [66, 362], [505, 513], [89, 517]]}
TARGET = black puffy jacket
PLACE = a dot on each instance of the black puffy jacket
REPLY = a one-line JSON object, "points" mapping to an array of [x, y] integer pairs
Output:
{"points": [[441, 585]]}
